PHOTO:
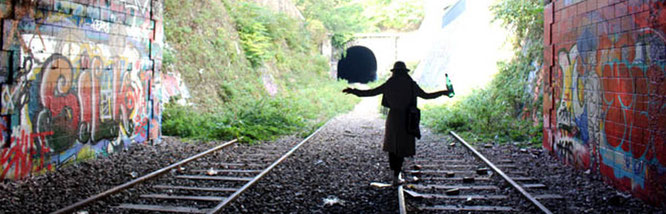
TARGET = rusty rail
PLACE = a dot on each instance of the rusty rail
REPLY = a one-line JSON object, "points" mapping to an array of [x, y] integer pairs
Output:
{"points": [[77, 205], [221, 205], [501, 173]]}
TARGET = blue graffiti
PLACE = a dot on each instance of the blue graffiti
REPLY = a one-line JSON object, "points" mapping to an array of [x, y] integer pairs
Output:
{"points": [[583, 131]]}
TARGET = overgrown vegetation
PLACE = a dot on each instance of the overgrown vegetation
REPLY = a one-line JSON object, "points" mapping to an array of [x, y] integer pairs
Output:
{"points": [[231, 54], [393, 15], [343, 18], [508, 108]]}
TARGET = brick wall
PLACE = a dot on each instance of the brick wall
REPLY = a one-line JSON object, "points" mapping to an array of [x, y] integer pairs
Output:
{"points": [[79, 79], [605, 95]]}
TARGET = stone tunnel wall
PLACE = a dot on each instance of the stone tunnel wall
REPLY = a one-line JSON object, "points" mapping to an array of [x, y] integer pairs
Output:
{"points": [[390, 47], [80, 79], [605, 95], [383, 46]]}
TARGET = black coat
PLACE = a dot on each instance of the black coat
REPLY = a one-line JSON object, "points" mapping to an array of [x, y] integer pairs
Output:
{"points": [[398, 96]]}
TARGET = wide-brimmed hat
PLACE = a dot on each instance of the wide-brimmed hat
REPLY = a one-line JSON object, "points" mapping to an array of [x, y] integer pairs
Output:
{"points": [[399, 66]]}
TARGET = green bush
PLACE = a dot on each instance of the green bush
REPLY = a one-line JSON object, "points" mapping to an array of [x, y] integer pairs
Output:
{"points": [[229, 98], [259, 120]]}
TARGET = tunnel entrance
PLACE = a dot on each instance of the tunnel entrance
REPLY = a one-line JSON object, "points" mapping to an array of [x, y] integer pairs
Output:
{"points": [[358, 65]]}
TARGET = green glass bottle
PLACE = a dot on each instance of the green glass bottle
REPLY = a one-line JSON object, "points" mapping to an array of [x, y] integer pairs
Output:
{"points": [[449, 86]]}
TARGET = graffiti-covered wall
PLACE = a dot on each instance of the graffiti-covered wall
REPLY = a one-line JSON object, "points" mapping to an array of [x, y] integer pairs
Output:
{"points": [[605, 95], [79, 79]]}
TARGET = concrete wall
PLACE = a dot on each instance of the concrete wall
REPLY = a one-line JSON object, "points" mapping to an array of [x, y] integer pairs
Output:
{"points": [[79, 79], [383, 45], [605, 96], [390, 47]]}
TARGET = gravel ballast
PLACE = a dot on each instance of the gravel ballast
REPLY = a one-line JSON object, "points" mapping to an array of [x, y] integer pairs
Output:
{"points": [[329, 174]]}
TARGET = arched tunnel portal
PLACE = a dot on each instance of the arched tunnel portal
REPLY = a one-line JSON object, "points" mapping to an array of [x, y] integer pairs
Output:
{"points": [[358, 65]]}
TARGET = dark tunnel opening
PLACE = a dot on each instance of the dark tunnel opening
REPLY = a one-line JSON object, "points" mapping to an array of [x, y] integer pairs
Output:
{"points": [[358, 65]]}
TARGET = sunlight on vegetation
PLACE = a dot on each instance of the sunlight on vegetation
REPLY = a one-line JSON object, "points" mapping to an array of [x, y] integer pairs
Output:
{"points": [[231, 52], [393, 15], [509, 108], [225, 51], [343, 18]]}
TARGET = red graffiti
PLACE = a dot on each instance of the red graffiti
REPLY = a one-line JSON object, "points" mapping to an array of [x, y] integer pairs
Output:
{"points": [[56, 86], [104, 100], [19, 157], [634, 93], [624, 44], [61, 107]]}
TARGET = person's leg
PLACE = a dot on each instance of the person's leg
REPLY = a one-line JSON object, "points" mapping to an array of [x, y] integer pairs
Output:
{"points": [[395, 163], [399, 161]]}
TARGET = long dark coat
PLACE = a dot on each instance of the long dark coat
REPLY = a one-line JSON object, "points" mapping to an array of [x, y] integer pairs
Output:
{"points": [[398, 96]]}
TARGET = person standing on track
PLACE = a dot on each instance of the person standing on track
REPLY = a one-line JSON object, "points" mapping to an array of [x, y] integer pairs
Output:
{"points": [[399, 93]]}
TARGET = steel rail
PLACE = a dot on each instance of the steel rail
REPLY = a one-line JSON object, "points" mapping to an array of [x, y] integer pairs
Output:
{"points": [[221, 205], [498, 171], [73, 207], [401, 200]]}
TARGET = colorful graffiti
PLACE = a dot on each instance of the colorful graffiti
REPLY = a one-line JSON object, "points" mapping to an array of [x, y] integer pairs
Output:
{"points": [[578, 112], [79, 80], [609, 92], [174, 86]]}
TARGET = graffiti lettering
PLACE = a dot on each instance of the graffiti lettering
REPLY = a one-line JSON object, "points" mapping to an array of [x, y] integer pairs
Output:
{"points": [[83, 88], [61, 107], [609, 86]]}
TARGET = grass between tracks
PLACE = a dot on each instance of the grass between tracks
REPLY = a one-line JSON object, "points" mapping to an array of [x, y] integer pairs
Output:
{"points": [[230, 54]]}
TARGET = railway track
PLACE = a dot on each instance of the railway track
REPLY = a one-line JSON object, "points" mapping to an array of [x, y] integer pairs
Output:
{"points": [[203, 183], [456, 177]]}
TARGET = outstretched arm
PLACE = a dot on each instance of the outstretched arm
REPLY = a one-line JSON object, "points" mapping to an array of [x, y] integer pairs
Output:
{"points": [[432, 95], [364, 93]]}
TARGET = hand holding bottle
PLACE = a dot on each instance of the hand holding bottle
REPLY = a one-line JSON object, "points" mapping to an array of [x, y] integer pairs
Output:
{"points": [[449, 86]]}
